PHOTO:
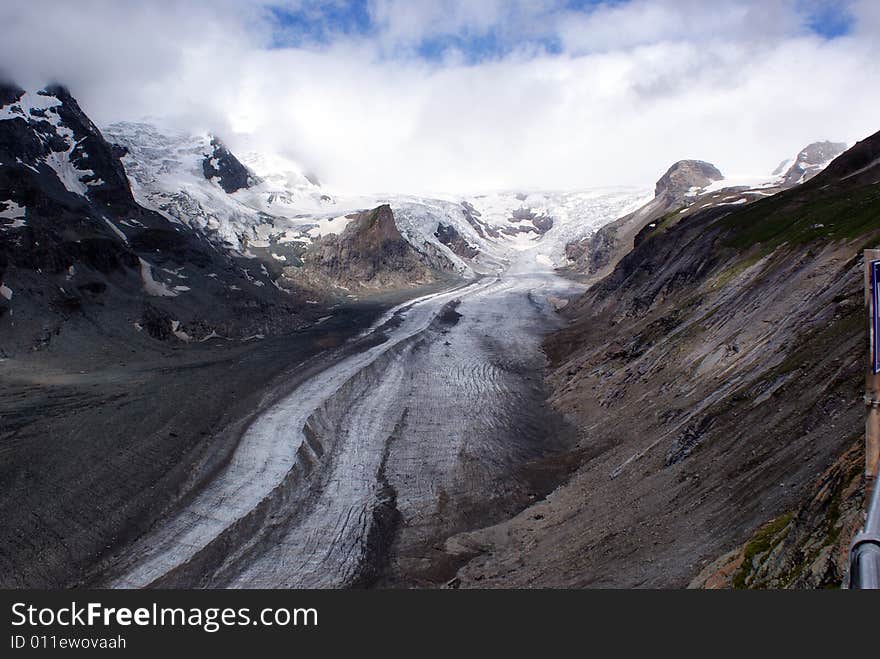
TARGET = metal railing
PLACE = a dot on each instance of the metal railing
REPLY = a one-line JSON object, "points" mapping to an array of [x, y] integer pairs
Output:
{"points": [[864, 554]]}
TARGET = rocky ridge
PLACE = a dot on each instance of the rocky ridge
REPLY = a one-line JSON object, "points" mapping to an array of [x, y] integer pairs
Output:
{"points": [[690, 186]]}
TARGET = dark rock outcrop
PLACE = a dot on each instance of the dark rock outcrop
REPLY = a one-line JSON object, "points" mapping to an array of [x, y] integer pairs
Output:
{"points": [[231, 175], [447, 234], [33, 141]]}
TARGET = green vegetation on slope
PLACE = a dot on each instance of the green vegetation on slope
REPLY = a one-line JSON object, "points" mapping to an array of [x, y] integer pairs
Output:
{"points": [[761, 543], [789, 217]]}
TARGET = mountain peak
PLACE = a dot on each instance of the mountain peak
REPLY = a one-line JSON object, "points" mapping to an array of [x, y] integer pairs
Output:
{"points": [[48, 134], [685, 175], [860, 163], [811, 160]]}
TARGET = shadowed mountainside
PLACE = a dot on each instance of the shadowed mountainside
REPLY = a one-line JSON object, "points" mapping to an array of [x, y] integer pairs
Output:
{"points": [[716, 377]]}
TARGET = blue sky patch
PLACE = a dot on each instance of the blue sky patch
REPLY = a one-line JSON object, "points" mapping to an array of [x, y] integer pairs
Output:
{"points": [[829, 19], [316, 23], [319, 23]]}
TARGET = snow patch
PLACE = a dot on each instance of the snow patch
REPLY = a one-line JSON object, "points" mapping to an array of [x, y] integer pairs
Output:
{"points": [[15, 213], [151, 286], [21, 109], [67, 173], [116, 230], [179, 333], [330, 225]]}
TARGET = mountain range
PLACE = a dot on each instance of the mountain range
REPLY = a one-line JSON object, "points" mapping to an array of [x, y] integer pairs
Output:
{"points": [[710, 359]]}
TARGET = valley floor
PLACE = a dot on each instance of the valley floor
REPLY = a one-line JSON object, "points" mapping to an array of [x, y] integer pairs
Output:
{"points": [[435, 422], [351, 468], [399, 446], [99, 443]]}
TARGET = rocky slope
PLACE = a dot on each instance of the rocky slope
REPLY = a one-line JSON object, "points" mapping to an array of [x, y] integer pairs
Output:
{"points": [[598, 253], [803, 548], [716, 378], [79, 255], [370, 253], [690, 186], [808, 162]]}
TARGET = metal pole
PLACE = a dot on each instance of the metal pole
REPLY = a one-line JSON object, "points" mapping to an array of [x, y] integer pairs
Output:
{"points": [[864, 565], [864, 555], [872, 376]]}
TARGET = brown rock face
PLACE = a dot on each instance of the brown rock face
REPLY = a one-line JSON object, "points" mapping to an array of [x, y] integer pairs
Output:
{"points": [[684, 175], [369, 254]]}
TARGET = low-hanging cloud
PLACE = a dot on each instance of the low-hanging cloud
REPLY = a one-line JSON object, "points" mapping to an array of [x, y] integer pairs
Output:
{"points": [[608, 96]]}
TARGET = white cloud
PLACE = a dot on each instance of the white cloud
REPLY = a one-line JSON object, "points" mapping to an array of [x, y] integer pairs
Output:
{"points": [[642, 22], [634, 88]]}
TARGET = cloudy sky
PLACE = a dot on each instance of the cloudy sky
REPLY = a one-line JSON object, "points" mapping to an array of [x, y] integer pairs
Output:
{"points": [[463, 95]]}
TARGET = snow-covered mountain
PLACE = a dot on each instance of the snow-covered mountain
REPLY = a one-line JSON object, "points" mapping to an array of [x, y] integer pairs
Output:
{"points": [[809, 161], [179, 175], [79, 253], [276, 212], [187, 218], [546, 221]]}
